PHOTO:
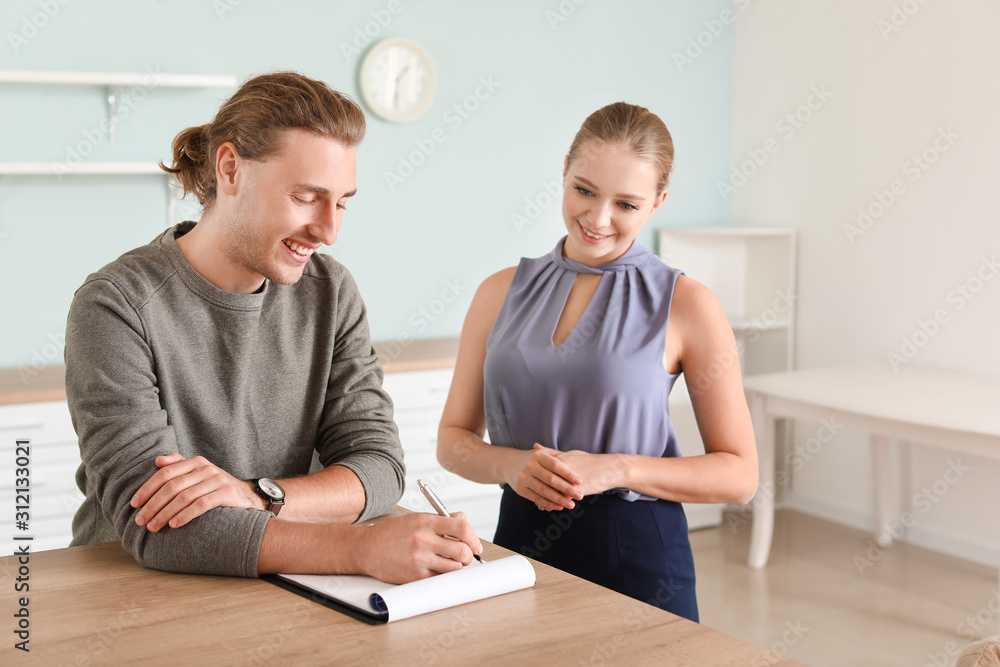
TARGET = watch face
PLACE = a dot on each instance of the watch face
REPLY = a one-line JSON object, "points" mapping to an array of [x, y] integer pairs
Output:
{"points": [[271, 488]]}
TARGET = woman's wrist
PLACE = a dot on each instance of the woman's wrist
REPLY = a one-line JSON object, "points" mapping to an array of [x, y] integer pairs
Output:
{"points": [[622, 469]]}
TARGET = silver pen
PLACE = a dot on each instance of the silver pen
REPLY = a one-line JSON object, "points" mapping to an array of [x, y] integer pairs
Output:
{"points": [[437, 504]]}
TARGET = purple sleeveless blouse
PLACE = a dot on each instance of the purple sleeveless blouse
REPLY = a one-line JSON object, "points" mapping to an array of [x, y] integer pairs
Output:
{"points": [[604, 389]]}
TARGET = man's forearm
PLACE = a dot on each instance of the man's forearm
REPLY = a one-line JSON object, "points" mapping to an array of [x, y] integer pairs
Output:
{"points": [[291, 547], [330, 495]]}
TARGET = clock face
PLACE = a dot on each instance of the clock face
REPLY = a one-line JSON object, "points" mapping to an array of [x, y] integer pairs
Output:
{"points": [[398, 80]]}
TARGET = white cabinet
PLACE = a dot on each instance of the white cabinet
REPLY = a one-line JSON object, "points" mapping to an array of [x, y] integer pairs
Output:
{"points": [[54, 458], [418, 398], [752, 273]]}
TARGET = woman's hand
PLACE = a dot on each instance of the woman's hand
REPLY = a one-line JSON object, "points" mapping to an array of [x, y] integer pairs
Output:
{"points": [[542, 478], [597, 472]]}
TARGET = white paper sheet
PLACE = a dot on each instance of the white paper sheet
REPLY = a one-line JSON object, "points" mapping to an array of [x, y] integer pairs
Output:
{"points": [[475, 582]]}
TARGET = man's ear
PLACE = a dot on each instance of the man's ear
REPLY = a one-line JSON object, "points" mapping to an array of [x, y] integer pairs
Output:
{"points": [[227, 168]]}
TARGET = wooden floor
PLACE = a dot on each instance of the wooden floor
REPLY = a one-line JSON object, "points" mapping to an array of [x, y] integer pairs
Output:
{"points": [[821, 603]]}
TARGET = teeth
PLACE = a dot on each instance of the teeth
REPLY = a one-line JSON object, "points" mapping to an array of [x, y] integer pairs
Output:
{"points": [[593, 236], [298, 249]]}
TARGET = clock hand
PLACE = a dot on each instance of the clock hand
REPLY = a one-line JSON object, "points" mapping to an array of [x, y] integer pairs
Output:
{"points": [[395, 91]]}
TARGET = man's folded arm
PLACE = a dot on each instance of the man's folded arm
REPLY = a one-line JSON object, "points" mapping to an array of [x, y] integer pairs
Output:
{"points": [[113, 398], [357, 429]]}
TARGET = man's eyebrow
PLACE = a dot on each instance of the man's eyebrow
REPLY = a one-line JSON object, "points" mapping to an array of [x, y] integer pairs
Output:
{"points": [[622, 195], [308, 187]]}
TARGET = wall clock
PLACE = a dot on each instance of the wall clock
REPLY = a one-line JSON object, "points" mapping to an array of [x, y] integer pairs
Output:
{"points": [[398, 79]]}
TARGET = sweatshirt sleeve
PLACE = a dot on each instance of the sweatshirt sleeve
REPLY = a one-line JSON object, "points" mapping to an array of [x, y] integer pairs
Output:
{"points": [[357, 430], [111, 388]]}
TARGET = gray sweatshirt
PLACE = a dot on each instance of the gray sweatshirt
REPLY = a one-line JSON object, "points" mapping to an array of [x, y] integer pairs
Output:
{"points": [[159, 360]]}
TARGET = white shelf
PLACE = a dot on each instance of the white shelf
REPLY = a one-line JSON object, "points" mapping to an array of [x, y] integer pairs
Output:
{"points": [[742, 325], [113, 82], [92, 168], [157, 79]]}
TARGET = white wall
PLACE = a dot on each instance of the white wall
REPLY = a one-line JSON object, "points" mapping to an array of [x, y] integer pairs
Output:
{"points": [[889, 94]]}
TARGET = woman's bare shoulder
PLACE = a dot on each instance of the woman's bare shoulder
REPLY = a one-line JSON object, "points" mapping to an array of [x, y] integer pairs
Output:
{"points": [[493, 290]]}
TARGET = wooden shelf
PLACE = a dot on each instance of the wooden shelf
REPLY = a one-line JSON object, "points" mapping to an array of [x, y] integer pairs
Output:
{"points": [[34, 385]]}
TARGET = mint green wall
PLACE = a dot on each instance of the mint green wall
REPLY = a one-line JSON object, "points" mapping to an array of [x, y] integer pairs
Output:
{"points": [[418, 252]]}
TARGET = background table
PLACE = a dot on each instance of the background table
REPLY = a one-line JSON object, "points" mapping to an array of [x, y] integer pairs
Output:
{"points": [[94, 605], [953, 411]]}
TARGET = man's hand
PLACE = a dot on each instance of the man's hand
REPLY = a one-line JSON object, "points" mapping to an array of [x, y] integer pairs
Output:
{"points": [[416, 546], [183, 489], [542, 478]]}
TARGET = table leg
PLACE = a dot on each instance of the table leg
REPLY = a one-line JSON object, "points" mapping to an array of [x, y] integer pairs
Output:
{"points": [[763, 502], [886, 495]]}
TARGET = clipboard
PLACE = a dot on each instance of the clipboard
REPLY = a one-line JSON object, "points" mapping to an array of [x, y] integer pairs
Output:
{"points": [[372, 601], [367, 615]]}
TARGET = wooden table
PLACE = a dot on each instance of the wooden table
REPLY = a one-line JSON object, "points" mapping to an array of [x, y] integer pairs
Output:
{"points": [[957, 412], [94, 605]]}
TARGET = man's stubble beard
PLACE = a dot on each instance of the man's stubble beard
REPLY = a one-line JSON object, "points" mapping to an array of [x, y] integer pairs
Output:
{"points": [[246, 245]]}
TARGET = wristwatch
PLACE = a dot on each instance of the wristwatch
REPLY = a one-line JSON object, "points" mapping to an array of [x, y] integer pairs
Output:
{"points": [[272, 492]]}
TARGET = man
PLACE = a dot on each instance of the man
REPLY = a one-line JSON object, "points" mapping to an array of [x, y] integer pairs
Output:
{"points": [[204, 369]]}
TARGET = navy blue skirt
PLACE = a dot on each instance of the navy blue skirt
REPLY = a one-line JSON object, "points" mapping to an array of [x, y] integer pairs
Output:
{"points": [[639, 549]]}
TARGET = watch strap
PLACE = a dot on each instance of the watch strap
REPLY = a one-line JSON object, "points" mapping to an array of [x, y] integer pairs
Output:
{"points": [[274, 504]]}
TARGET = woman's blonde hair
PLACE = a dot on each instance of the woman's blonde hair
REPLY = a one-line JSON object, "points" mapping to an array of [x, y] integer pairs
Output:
{"points": [[251, 119], [633, 127]]}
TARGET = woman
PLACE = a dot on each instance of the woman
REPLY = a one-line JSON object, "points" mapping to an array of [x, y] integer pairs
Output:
{"points": [[568, 360]]}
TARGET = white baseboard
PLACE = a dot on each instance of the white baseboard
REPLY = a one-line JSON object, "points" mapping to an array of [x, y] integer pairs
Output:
{"points": [[935, 539], [700, 515]]}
